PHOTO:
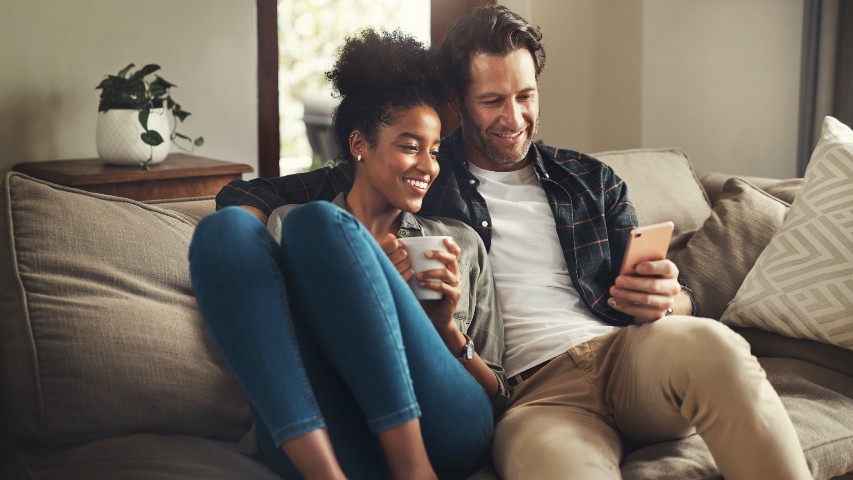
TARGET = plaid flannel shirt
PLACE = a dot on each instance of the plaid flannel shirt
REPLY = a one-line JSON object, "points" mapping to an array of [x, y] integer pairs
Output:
{"points": [[589, 202]]}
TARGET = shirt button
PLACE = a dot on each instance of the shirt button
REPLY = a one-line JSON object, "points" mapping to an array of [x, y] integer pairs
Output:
{"points": [[472, 181], [485, 223]]}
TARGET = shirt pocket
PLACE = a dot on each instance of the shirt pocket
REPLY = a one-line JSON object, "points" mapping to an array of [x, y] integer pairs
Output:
{"points": [[464, 312]]}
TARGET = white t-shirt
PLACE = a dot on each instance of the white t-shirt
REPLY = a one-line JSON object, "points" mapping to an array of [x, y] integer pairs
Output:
{"points": [[543, 314]]}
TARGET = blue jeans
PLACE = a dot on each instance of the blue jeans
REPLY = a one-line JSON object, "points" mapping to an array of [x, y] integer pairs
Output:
{"points": [[324, 333]]}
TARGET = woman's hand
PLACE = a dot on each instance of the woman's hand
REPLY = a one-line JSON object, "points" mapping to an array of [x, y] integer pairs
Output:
{"points": [[445, 281], [398, 255]]}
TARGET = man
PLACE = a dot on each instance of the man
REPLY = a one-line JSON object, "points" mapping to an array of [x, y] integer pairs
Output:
{"points": [[596, 358]]}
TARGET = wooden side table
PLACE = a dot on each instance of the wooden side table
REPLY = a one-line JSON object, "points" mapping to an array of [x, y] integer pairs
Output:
{"points": [[178, 176]]}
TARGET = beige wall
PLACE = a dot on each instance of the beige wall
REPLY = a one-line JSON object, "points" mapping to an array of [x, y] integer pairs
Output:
{"points": [[55, 53], [719, 79]]}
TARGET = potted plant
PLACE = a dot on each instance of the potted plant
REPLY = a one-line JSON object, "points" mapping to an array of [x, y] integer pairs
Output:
{"points": [[132, 122]]}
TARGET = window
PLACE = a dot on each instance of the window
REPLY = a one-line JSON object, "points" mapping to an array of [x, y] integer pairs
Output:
{"points": [[441, 14], [309, 33]]}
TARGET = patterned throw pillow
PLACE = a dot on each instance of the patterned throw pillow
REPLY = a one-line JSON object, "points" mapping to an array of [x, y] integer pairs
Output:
{"points": [[802, 284]]}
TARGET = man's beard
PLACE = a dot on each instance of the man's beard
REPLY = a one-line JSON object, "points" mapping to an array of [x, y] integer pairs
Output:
{"points": [[495, 154]]}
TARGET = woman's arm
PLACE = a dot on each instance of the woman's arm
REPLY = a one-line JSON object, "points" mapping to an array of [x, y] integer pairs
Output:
{"points": [[448, 282], [254, 211]]}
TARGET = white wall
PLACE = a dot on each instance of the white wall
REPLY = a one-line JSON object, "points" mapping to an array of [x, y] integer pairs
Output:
{"points": [[719, 79], [722, 80], [591, 88], [55, 52]]}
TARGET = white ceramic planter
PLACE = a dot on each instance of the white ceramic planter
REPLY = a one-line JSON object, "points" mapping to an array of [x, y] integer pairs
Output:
{"points": [[117, 137]]}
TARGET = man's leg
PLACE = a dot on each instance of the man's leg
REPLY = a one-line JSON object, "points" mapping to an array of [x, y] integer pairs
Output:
{"points": [[681, 371], [557, 428]]}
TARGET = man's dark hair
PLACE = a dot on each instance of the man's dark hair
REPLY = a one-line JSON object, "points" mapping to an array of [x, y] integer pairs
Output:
{"points": [[492, 30], [379, 75]]}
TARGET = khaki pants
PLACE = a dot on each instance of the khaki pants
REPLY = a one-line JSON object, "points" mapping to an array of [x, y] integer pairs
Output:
{"points": [[648, 384]]}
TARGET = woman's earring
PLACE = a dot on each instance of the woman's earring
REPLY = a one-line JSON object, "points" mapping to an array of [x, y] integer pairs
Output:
{"points": [[359, 159]]}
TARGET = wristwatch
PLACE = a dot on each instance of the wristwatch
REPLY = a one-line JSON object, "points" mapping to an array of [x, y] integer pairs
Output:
{"points": [[467, 350]]}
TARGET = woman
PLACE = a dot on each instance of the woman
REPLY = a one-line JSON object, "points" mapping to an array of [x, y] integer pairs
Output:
{"points": [[347, 373]]}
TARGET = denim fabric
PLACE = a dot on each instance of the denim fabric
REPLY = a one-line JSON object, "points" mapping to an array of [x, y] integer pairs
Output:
{"points": [[478, 310], [325, 332]]}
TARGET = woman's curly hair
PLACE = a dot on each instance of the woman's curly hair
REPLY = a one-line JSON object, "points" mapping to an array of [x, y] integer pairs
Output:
{"points": [[378, 75]]}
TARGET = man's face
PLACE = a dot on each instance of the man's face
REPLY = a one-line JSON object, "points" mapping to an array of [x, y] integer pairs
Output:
{"points": [[500, 110]]}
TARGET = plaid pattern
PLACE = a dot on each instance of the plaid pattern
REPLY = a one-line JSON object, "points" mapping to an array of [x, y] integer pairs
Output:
{"points": [[589, 202], [593, 214]]}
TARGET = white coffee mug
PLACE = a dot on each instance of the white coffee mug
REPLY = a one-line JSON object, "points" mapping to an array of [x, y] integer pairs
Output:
{"points": [[417, 248]]}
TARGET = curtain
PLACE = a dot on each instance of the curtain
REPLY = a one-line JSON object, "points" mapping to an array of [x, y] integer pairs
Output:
{"points": [[826, 81]]}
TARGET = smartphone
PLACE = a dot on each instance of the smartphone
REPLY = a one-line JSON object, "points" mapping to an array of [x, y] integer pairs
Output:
{"points": [[646, 243]]}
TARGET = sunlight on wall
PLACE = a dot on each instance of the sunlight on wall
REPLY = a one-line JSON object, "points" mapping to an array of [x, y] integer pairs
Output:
{"points": [[309, 33]]}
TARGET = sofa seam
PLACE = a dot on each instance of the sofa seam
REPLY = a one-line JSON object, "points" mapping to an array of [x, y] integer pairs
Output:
{"points": [[848, 437], [25, 303]]}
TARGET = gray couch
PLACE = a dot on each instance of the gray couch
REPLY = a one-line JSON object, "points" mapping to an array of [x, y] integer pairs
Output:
{"points": [[106, 370]]}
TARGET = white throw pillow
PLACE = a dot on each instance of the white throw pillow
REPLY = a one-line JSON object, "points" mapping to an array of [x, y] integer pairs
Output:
{"points": [[802, 284]]}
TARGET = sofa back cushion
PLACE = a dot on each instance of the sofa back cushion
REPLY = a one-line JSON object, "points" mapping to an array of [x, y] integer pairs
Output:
{"points": [[100, 334], [662, 186], [720, 254]]}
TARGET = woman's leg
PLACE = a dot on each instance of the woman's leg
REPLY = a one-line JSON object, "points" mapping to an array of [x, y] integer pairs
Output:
{"points": [[236, 272], [378, 337]]}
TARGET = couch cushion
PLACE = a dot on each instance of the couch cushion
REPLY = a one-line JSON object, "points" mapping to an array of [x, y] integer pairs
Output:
{"points": [[802, 284], [192, 208], [144, 457], [785, 190], [720, 254], [100, 333], [662, 186]]}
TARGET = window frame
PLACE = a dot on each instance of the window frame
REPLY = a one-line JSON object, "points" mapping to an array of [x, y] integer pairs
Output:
{"points": [[442, 15]]}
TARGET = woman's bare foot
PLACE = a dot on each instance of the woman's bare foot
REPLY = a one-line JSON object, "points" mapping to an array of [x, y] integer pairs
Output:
{"points": [[313, 456], [405, 452]]}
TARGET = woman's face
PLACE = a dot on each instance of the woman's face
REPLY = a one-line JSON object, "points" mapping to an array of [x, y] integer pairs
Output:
{"points": [[401, 166]]}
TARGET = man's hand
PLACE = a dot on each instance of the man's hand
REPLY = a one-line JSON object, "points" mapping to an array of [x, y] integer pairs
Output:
{"points": [[398, 255], [648, 295]]}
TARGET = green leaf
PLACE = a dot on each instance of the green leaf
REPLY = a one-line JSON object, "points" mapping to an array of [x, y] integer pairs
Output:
{"points": [[180, 114], [159, 88], [143, 118], [151, 137], [158, 80], [123, 72], [156, 91], [199, 141], [136, 93], [144, 71], [106, 83]]}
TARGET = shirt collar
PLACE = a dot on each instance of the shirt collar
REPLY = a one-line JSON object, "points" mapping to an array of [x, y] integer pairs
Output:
{"points": [[457, 154], [409, 224]]}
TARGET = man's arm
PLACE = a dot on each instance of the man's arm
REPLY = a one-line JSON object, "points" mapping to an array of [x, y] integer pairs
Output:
{"points": [[263, 195]]}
